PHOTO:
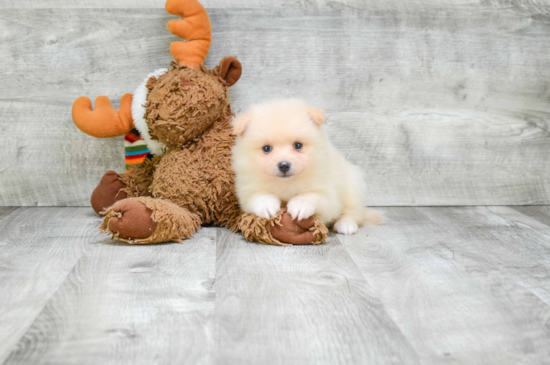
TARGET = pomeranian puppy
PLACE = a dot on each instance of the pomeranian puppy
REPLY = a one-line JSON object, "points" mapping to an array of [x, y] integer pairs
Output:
{"points": [[282, 155]]}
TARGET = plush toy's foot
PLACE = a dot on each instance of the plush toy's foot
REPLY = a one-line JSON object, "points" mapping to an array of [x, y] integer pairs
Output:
{"points": [[147, 220], [283, 230], [108, 192], [132, 219], [305, 232]]}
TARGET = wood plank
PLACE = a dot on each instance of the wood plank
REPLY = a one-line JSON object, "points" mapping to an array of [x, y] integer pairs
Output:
{"points": [[541, 213], [455, 158], [6, 211], [150, 304], [528, 239], [51, 162], [456, 281], [32, 42], [516, 244], [465, 285], [438, 107], [535, 6], [38, 248], [299, 305]]}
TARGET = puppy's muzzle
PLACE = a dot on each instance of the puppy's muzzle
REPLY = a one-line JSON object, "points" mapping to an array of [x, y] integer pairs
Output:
{"points": [[284, 166]]}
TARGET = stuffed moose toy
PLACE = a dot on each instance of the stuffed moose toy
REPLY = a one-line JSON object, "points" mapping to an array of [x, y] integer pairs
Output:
{"points": [[183, 114]]}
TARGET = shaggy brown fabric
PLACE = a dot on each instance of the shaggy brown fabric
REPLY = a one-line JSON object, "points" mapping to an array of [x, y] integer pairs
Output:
{"points": [[199, 177], [192, 182], [259, 229], [182, 103], [173, 223], [303, 232], [138, 180], [109, 191], [282, 230]]}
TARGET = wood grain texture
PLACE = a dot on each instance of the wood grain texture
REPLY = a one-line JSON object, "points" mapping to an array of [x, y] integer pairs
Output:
{"points": [[299, 305], [535, 6], [124, 304], [438, 107], [6, 211], [38, 248], [465, 285], [540, 213], [447, 157]]}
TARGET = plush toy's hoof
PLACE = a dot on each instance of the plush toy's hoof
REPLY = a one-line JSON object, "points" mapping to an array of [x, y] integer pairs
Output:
{"points": [[131, 219], [297, 232], [108, 192]]}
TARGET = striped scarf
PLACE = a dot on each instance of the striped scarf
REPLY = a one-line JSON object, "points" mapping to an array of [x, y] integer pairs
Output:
{"points": [[135, 148]]}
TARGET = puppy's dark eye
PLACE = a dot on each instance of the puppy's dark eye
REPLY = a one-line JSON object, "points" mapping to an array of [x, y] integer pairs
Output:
{"points": [[298, 145], [266, 148]]}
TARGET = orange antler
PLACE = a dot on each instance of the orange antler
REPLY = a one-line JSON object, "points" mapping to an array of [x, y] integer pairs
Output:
{"points": [[105, 121], [195, 28]]}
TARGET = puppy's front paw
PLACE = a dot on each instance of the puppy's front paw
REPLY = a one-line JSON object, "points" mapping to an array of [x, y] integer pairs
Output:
{"points": [[267, 206], [346, 226], [300, 208]]}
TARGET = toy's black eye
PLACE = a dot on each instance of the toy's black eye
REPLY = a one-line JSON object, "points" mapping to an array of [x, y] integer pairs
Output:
{"points": [[298, 145], [266, 148]]}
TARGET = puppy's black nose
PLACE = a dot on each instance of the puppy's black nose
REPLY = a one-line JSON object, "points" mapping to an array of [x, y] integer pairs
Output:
{"points": [[284, 166]]}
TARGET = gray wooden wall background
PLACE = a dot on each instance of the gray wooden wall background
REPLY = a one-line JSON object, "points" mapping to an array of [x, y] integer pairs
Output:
{"points": [[441, 102]]}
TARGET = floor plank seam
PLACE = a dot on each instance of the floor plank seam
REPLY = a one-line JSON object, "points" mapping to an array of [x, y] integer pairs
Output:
{"points": [[397, 325], [39, 313]]}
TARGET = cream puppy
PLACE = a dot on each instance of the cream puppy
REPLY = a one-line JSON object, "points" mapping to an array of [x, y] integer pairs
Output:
{"points": [[282, 155]]}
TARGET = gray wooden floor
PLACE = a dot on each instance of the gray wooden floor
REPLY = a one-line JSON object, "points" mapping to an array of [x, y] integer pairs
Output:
{"points": [[466, 285]]}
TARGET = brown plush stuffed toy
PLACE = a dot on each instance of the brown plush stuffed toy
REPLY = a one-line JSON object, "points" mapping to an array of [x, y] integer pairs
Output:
{"points": [[183, 114]]}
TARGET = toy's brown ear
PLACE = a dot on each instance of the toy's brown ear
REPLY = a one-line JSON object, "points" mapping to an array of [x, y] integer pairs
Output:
{"points": [[240, 122], [316, 114], [230, 70]]}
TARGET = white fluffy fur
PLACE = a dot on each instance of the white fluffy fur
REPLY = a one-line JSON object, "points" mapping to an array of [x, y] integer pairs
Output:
{"points": [[138, 112], [320, 180]]}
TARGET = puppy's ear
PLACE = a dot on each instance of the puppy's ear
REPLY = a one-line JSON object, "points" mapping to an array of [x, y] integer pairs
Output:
{"points": [[240, 122], [316, 114]]}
